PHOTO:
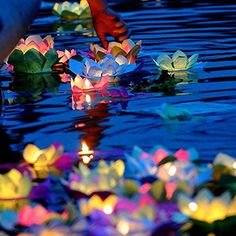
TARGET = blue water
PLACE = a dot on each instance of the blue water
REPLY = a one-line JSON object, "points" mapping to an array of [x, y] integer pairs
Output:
{"points": [[38, 110]]}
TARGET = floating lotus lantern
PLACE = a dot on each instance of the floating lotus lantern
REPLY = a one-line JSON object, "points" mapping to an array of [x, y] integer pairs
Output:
{"points": [[207, 208], [80, 84], [109, 66], [96, 202], [178, 62], [34, 55], [66, 55], [38, 215], [136, 216], [85, 154], [139, 164], [142, 164], [103, 178], [223, 164], [72, 10], [178, 171], [127, 48], [42, 157], [14, 185]]}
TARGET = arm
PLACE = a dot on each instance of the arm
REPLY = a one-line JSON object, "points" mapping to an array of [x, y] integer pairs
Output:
{"points": [[15, 17], [106, 22]]}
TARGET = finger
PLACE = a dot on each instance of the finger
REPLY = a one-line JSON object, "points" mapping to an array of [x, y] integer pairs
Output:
{"points": [[103, 39], [122, 38], [119, 24], [112, 17], [120, 31]]}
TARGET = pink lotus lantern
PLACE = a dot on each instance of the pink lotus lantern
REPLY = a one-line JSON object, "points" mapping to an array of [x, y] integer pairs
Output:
{"points": [[34, 55], [38, 215], [80, 84], [42, 45], [66, 55]]}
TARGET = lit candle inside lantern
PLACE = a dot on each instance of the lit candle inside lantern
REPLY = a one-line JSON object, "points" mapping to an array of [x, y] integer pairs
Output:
{"points": [[193, 206], [172, 170], [88, 99], [87, 84], [123, 227], [85, 153], [234, 165], [107, 209]]}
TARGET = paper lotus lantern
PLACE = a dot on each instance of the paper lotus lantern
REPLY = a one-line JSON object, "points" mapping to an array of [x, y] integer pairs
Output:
{"points": [[103, 178], [72, 10], [34, 55], [225, 160], [223, 164], [91, 184], [66, 55], [127, 48], [178, 62], [42, 157], [80, 84], [207, 208], [139, 164], [14, 185], [96, 202], [109, 66], [37, 215], [178, 171]]}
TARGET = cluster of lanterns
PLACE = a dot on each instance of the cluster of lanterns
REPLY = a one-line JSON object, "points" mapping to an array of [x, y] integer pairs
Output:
{"points": [[134, 195]]}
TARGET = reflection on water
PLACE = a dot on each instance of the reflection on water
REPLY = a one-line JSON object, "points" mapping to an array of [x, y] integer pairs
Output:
{"points": [[38, 109], [92, 129], [66, 27], [32, 86]]}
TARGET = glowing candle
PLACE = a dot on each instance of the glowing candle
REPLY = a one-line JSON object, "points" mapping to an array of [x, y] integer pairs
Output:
{"points": [[87, 84], [86, 154], [193, 206], [108, 209], [172, 170], [88, 99], [234, 165], [123, 227]]}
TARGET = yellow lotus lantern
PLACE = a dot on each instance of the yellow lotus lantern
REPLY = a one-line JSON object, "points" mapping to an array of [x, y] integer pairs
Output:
{"points": [[207, 208], [127, 48], [14, 185], [72, 10], [95, 202], [42, 157], [102, 178]]}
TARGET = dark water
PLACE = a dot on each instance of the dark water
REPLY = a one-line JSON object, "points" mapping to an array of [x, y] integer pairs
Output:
{"points": [[43, 114]]}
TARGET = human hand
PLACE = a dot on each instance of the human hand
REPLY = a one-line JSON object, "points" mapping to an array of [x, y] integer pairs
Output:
{"points": [[108, 22]]}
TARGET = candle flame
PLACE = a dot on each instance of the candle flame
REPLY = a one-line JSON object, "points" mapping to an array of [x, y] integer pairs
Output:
{"points": [[123, 227], [85, 153], [85, 147], [193, 206], [87, 84], [108, 209], [172, 170], [87, 98], [234, 165]]}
